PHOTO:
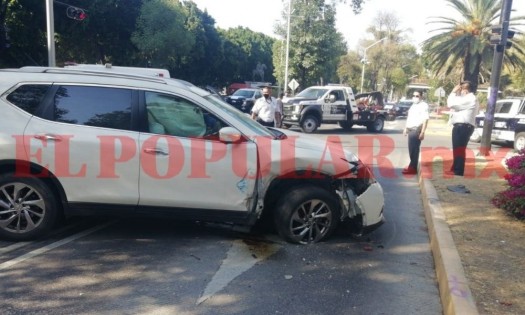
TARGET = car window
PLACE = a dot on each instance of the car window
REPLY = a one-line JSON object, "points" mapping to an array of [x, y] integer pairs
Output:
{"points": [[93, 106], [28, 97], [338, 95], [503, 107], [312, 93], [244, 93], [258, 94], [522, 110], [176, 116]]}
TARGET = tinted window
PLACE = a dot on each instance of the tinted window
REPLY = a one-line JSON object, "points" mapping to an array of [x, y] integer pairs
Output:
{"points": [[28, 97], [94, 106]]}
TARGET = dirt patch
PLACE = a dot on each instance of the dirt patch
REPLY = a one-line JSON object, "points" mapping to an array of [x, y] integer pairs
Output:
{"points": [[490, 243]]}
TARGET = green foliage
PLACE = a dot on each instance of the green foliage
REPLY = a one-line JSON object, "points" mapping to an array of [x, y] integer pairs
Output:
{"points": [[463, 46], [161, 34], [315, 45]]}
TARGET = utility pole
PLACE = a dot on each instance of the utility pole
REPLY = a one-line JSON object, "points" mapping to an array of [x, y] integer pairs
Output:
{"points": [[50, 34], [502, 33]]}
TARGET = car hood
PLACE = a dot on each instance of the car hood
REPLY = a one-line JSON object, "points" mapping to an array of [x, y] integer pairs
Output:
{"points": [[304, 152], [297, 100]]}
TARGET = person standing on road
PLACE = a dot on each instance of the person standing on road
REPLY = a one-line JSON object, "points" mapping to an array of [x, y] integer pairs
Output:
{"points": [[416, 125], [279, 102], [463, 119], [266, 111]]}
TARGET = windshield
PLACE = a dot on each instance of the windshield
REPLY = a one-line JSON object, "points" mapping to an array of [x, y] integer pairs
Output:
{"points": [[244, 93], [312, 93], [244, 119]]}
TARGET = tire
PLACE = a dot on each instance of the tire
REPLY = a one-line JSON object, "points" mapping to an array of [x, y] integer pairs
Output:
{"points": [[346, 125], [28, 208], [309, 124], [377, 125], [476, 137], [519, 141], [306, 214]]}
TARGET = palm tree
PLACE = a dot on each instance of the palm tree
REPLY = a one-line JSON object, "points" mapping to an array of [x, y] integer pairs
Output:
{"points": [[463, 46]]}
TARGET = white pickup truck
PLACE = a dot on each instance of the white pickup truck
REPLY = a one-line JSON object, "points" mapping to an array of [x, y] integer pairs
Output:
{"points": [[509, 122], [334, 104]]}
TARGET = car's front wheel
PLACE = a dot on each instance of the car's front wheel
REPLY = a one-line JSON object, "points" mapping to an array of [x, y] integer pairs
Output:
{"points": [[309, 124], [519, 141], [28, 208], [306, 214]]}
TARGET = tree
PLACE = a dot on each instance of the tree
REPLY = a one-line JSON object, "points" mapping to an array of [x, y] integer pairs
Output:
{"points": [[103, 37], [315, 45], [161, 34], [465, 43]]}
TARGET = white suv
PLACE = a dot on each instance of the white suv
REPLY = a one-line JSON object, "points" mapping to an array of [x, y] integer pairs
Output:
{"points": [[74, 142]]}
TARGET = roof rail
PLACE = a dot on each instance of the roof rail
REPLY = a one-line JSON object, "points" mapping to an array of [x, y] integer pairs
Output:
{"points": [[78, 71]]}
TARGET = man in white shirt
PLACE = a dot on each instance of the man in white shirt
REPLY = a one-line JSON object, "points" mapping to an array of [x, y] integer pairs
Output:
{"points": [[266, 111], [416, 125], [465, 106]]}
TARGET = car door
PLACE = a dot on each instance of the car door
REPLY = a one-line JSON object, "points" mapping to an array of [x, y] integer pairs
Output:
{"points": [[184, 165], [84, 137], [335, 111]]}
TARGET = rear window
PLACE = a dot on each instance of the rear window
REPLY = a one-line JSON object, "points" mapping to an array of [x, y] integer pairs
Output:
{"points": [[28, 97], [94, 106]]}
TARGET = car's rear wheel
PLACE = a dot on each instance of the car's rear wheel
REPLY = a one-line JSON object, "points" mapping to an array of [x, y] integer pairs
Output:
{"points": [[377, 125], [306, 214], [309, 124], [28, 208], [519, 141], [346, 125]]}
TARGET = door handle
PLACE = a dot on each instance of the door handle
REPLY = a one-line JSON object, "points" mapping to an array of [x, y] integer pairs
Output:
{"points": [[48, 137], [155, 151]]}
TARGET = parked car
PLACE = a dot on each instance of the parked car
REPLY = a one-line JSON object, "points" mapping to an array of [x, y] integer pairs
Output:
{"points": [[74, 143], [508, 125], [244, 99], [401, 109]]}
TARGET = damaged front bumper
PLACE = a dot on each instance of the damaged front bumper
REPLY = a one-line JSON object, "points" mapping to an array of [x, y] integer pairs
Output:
{"points": [[362, 201]]}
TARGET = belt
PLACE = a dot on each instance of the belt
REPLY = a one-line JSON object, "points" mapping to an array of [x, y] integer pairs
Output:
{"points": [[463, 124], [413, 128]]}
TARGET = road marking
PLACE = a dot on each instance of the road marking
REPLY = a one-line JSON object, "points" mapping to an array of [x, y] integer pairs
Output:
{"points": [[239, 259], [13, 247], [51, 246]]}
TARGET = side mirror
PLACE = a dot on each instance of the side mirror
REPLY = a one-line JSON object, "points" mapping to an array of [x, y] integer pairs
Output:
{"points": [[229, 135]]}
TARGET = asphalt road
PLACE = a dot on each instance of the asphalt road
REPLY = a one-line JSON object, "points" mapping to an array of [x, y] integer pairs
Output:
{"points": [[151, 266]]}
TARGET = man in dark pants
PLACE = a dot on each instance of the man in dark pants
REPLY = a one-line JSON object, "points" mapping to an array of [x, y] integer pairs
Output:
{"points": [[417, 120], [465, 106]]}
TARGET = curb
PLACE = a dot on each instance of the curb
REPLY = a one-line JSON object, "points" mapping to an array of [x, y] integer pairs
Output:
{"points": [[456, 297]]}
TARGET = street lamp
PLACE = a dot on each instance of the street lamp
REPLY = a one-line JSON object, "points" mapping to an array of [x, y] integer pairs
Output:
{"points": [[364, 61], [287, 46]]}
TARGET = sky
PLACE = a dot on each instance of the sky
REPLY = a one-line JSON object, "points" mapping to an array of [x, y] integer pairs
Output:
{"points": [[261, 15]]}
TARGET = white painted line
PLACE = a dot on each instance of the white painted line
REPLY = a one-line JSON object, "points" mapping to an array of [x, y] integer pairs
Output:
{"points": [[13, 247], [239, 259], [51, 246], [18, 245]]}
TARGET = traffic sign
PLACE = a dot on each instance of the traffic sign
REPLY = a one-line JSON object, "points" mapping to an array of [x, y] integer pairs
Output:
{"points": [[293, 85]]}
